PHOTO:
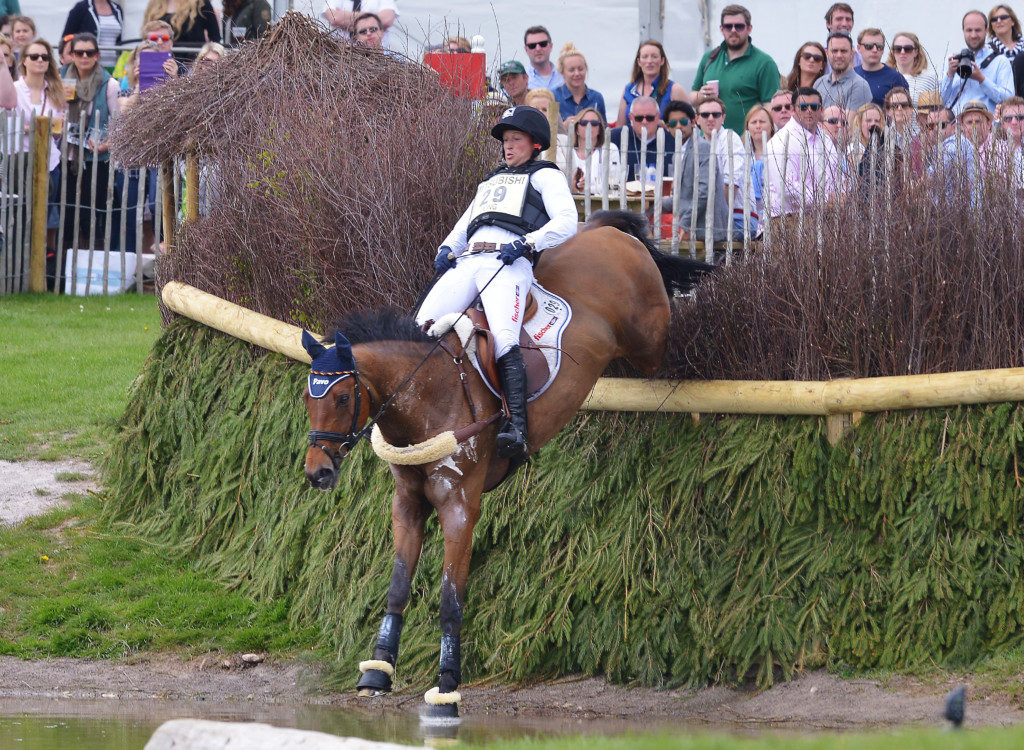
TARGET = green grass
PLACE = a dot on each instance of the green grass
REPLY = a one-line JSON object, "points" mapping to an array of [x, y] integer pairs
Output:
{"points": [[70, 589], [918, 739], [66, 365]]}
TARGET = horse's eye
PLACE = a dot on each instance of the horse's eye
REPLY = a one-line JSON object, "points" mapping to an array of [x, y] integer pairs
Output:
{"points": [[343, 399]]}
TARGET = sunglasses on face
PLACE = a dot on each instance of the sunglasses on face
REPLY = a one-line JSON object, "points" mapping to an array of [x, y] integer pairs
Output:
{"points": [[901, 48], [928, 107], [36, 56], [368, 30], [939, 125], [804, 106], [710, 115], [898, 105], [590, 123], [1002, 17], [873, 45], [644, 118], [1011, 118], [734, 26], [535, 45], [811, 56], [781, 107], [85, 52], [835, 121], [159, 37], [682, 122]]}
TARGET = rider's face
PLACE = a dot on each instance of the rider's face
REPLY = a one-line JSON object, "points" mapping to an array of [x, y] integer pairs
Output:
{"points": [[517, 147]]}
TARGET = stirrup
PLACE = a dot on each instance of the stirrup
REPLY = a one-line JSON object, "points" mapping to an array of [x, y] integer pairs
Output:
{"points": [[511, 444]]}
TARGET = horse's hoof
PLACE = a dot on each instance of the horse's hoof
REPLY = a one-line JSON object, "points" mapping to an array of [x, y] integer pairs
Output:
{"points": [[376, 678], [441, 707]]}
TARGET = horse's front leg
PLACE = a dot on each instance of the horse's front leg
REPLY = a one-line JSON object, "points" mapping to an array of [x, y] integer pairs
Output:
{"points": [[409, 510], [458, 514]]}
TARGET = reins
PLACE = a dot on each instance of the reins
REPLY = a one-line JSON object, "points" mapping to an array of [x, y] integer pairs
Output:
{"points": [[350, 439]]}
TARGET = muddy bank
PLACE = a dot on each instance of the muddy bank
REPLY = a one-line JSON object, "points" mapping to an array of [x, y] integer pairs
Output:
{"points": [[206, 688]]}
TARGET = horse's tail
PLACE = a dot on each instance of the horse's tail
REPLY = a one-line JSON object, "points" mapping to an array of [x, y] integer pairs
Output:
{"points": [[678, 273]]}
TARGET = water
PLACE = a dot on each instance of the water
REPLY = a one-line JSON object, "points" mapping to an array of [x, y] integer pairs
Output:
{"points": [[51, 724]]}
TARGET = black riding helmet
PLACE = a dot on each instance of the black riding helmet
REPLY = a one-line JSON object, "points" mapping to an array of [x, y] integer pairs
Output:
{"points": [[529, 120]]}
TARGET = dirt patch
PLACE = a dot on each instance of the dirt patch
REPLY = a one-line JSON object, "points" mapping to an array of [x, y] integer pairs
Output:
{"points": [[30, 488], [816, 700]]}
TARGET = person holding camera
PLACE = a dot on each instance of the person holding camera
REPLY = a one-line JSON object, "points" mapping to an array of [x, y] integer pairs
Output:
{"points": [[979, 72]]}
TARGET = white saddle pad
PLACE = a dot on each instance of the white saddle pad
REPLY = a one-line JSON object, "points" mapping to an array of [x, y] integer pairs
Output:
{"points": [[545, 330]]}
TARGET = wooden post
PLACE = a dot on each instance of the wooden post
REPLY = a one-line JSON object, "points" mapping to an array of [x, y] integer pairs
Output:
{"points": [[168, 209], [40, 190], [553, 122], [192, 186]]}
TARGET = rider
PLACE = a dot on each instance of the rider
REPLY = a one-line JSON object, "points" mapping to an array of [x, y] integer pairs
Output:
{"points": [[521, 208]]}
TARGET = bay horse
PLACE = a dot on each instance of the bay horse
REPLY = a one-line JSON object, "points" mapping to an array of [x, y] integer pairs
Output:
{"points": [[618, 285]]}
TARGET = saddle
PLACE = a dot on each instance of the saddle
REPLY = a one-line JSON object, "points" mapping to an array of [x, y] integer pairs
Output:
{"points": [[537, 372]]}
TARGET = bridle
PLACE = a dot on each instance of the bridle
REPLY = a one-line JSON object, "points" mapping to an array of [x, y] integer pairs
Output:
{"points": [[346, 440]]}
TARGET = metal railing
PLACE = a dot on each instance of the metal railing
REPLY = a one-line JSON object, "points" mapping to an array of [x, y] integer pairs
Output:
{"points": [[85, 227]]}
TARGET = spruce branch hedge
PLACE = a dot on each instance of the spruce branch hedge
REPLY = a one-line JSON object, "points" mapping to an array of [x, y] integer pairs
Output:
{"points": [[643, 547]]}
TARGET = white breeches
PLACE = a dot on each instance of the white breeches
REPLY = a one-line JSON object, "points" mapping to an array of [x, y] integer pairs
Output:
{"points": [[504, 299]]}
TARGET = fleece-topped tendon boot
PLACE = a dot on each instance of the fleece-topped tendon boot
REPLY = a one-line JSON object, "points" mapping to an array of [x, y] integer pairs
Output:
{"points": [[512, 437]]}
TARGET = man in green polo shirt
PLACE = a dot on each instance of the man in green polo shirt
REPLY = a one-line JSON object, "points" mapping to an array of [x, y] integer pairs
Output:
{"points": [[743, 74]]}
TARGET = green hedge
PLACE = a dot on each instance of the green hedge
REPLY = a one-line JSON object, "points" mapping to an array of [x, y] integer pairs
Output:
{"points": [[645, 547]]}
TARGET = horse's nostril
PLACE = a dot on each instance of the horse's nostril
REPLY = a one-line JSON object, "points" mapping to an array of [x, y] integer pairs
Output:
{"points": [[324, 477]]}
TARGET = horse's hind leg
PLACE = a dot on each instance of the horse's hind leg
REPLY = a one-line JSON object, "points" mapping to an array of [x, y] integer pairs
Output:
{"points": [[408, 517]]}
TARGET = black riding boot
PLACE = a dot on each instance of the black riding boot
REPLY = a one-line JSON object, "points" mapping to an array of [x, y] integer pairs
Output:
{"points": [[512, 437]]}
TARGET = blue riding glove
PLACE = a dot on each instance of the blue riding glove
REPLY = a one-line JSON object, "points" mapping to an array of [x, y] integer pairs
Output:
{"points": [[445, 260], [509, 252]]}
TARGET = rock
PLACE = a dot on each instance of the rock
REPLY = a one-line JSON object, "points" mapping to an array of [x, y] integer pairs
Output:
{"points": [[252, 658], [195, 734]]}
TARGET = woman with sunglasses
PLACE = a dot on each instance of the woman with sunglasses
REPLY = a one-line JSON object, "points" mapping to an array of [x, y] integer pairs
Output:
{"points": [[193, 21], [94, 103], [590, 120], [650, 78], [908, 57], [758, 126], [103, 18], [808, 66], [1004, 31], [41, 94]]}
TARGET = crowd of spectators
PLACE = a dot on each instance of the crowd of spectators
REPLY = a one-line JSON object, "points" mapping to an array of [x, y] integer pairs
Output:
{"points": [[849, 108], [758, 137]]}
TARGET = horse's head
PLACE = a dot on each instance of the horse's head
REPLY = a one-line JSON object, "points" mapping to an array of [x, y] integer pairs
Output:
{"points": [[336, 401]]}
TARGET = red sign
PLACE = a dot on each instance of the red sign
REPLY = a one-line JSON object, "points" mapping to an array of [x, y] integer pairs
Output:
{"points": [[462, 72]]}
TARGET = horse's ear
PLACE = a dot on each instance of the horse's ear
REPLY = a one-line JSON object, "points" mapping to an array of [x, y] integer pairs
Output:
{"points": [[344, 351], [313, 347]]}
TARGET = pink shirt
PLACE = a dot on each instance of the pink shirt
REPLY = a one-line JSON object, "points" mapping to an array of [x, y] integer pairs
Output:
{"points": [[791, 151]]}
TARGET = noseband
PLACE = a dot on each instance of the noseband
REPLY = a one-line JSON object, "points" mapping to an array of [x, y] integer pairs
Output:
{"points": [[348, 439]]}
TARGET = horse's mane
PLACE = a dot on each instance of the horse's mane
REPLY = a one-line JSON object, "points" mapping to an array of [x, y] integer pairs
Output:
{"points": [[386, 324]]}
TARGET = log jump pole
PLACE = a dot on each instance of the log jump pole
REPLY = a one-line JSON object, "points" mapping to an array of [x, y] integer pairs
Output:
{"points": [[830, 398]]}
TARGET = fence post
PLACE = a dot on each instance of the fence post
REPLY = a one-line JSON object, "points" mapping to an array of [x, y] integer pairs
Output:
{"points": [[192, 186], [168, 208], [40, 188], [553, 121]]}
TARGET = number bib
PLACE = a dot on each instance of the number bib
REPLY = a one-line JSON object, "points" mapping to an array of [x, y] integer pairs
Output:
{"points": [[503, 194]]}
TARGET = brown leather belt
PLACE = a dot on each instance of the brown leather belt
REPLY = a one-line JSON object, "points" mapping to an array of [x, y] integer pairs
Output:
{"points": [[482, 247]]}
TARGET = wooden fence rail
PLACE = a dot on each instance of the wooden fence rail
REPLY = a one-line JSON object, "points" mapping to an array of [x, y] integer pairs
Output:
{"points": [[824, 398]]}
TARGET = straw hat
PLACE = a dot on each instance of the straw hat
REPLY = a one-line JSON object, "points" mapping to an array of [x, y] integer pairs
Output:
{"points": [[929, 100], [975, 106]]}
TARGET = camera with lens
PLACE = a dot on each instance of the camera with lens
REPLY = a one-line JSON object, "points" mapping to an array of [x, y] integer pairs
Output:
{"points": [[965, 63]]}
